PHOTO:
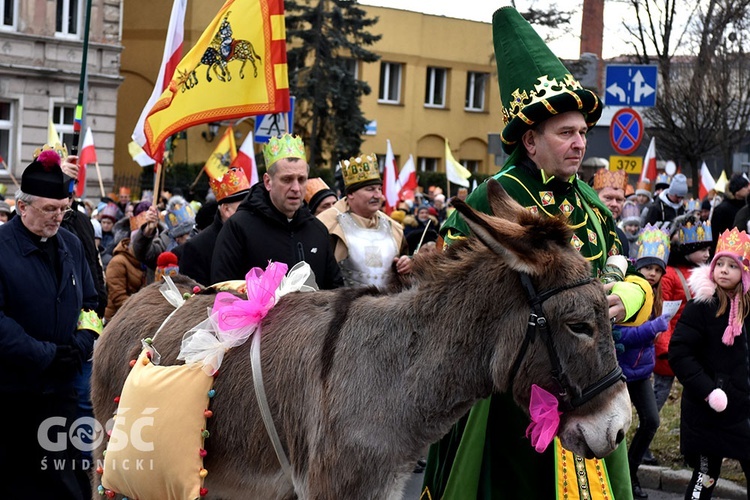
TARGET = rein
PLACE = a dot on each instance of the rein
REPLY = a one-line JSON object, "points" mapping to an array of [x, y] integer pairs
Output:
{"points": [[569, 396]]}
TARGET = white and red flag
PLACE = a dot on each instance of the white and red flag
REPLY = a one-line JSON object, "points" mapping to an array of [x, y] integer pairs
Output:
{"points": [[86, 156], [407, 178], [246, 159], [390, 180], [648, 174], [707, 182], [170, 60]]}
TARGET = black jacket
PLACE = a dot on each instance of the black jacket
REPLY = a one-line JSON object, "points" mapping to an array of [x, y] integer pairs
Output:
{"points": [[702, 363], [258, 232], [724, 215], [198, 251], [80, 225]]}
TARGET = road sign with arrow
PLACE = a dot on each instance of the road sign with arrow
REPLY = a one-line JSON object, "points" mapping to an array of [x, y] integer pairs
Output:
{"points": [[631, 85]]}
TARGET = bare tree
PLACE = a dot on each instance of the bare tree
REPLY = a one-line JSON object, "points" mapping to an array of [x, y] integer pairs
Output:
{"points": [[703, 105]]}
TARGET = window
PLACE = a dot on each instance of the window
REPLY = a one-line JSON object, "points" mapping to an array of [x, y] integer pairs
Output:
{"points": [[7, 13], [390, 83], [434, 93], [6, 110], [352, 66], [63, 118], [475, 86], [68, 17], [427, 164], [471, 165], [381, 162]]}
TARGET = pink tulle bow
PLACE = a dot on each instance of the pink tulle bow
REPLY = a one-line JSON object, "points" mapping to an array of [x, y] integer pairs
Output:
{"points": [[545, 418], [233, 312]]}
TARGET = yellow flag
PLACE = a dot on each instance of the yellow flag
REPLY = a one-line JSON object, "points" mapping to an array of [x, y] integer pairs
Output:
{"points": [[53, 138], [223, 156], [236, 69], [455, 172]]}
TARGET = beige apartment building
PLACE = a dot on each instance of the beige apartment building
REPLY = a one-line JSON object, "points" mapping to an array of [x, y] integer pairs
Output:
{"points": [[435, 81], [41, 43]]}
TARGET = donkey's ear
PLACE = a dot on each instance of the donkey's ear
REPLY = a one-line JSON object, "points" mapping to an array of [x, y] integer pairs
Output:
{"points": [[501, 204]]}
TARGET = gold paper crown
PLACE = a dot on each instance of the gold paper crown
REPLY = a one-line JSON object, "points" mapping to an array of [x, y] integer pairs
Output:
{"points": [[314, 185], [359, 169], [286, 146], [60, 149], [607, 178], [232, 182], [736, 243]]}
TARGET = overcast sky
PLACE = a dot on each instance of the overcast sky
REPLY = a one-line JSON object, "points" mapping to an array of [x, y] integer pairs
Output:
{"points": [[567, 47]]}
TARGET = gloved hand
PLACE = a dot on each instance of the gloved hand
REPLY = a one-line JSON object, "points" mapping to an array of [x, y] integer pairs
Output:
{"points": [[661, 323], [66, 362], [717, 400]]}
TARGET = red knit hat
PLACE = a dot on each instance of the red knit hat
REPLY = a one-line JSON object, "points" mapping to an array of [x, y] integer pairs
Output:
{"points": [[166, 265]]}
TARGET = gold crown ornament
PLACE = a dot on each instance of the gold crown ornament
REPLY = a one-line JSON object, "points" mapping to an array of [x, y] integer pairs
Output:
{"points": [[360, 171], [60, 149], [233, 184], [617, 179], [286, 146]]}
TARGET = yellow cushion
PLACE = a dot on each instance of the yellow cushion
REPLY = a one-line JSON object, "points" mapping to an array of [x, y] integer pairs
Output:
{"points": [[154, 451]]}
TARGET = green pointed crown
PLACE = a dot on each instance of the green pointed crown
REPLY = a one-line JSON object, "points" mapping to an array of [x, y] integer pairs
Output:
{"points": [[286, 146], [360, 171], [534, 84]]}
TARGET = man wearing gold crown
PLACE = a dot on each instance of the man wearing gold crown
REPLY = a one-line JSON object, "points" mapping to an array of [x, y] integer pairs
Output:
{"points": [[610, 186], [273, 223], [198, 251], [367, 243], [547, 115]]}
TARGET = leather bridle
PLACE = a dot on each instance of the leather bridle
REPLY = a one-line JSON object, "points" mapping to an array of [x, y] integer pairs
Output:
{"points": [[568, 395]]}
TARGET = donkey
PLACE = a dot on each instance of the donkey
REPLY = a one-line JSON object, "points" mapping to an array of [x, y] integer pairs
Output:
{"points": [[360, 381]]}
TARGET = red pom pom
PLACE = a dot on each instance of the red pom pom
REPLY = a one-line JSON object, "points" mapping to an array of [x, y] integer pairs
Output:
{"points": [[132, 363], [196, 289], [49, 158], [117, 399], [203, 492], [166, 259]]}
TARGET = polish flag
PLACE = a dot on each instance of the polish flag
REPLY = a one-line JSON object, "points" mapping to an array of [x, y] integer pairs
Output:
{"points": [[648, 174], [86, 156], [170, 60], [246, 159], [390, 180], [407, 177], [707, 182]]}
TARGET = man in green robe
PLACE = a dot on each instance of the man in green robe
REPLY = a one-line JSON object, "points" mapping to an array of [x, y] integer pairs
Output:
{"points": [[547, 115]]}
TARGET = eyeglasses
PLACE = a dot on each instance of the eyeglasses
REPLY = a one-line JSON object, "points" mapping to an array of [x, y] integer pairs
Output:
{"points": [[52, 212]]}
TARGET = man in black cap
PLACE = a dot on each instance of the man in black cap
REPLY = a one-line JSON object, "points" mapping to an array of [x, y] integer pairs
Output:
{"points": [[47, 330]]}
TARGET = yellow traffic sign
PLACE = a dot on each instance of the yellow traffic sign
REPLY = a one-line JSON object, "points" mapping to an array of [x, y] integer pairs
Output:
{"points": [[630, 164]]}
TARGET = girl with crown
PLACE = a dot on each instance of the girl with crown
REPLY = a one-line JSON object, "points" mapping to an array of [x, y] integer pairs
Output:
{"points": [[637, 359], [691, 247], [709, 355]]}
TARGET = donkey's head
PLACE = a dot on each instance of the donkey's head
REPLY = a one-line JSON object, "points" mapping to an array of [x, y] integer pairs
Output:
{"points": [[567, 347]]}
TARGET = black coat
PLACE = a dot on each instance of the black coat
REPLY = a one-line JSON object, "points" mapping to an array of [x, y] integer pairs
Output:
{"points": [[80, 225], [724, 215], [258, 232], [38, 311], [198, 251], [702, 362]]}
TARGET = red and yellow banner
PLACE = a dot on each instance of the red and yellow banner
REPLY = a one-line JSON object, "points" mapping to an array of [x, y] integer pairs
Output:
{"points": [[222, 156], [237, 68]]}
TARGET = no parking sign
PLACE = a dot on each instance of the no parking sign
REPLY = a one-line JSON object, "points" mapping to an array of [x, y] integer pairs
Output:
{"points": [[626, 131]]}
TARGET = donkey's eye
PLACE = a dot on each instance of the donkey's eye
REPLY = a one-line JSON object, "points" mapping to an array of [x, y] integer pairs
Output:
{"points": [[581, 329]]}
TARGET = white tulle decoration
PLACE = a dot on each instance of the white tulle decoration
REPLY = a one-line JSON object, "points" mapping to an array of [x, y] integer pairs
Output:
{"points": [[207, 342]]}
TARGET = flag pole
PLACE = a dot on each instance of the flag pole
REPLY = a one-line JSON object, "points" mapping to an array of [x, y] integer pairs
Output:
{"points": [[77, 123], [157, 183], [99, 175], [5, 167], [197, 177]]}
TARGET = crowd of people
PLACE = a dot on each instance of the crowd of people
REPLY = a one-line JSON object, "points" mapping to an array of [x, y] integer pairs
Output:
{"points": [[680, 310]]}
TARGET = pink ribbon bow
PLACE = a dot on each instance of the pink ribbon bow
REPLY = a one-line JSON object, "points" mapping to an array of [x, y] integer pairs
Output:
{"points": [[545, 418], [232, 312]]}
